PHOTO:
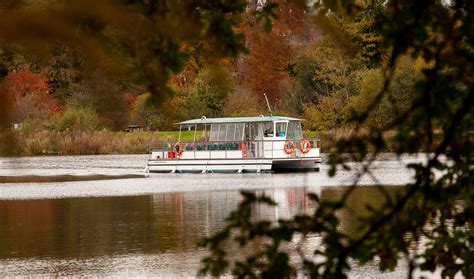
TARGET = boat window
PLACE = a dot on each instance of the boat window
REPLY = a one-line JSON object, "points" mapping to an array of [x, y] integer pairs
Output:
{"points": [[201, 133], [187, 127], [207, 132], [230, 132], [214, 132], [247, 131], [253, 131], [183, 129], [239, 130], [294, 130], [222, 131], [268, 129], [280, 129]]}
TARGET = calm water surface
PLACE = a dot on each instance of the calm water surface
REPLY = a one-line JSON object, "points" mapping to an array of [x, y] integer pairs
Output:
{"points": [[150, 226]]}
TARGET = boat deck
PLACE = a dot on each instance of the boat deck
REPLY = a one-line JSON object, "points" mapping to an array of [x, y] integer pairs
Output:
{"points": [[242, 156]]}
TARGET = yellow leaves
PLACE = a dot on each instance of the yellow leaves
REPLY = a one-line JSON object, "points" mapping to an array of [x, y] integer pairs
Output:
{"points": [[330, 113], [368, 84], [421, 64]]}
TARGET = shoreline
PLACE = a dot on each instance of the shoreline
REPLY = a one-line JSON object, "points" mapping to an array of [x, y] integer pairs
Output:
{"points": [[63, 178], [106, 142]]}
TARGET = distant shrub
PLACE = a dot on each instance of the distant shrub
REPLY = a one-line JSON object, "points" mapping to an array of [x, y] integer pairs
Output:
{"points": [[32, 125], [78, 119]]}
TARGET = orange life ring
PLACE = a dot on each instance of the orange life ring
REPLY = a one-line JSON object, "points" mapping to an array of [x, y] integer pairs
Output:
{"points": [[305, 146], [178, 149], [289, 147]]}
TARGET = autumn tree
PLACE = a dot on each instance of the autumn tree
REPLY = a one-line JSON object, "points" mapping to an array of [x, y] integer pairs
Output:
{"points": [[400, 93], [142, 113], [263, 69], [30, 96], [319, 70], [359, 32], [209, 97], [64, 68]]}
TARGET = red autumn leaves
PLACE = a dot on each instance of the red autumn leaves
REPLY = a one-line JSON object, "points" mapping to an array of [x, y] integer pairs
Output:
{"points": [[30, 95]]}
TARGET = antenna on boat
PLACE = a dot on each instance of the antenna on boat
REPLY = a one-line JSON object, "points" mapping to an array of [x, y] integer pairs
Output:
{"points": [[268, 105]]}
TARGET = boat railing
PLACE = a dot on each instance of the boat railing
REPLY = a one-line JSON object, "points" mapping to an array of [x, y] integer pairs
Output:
{"points": [[255, 149]]}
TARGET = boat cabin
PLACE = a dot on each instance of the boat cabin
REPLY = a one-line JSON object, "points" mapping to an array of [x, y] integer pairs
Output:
{"points": [[243, 128]]}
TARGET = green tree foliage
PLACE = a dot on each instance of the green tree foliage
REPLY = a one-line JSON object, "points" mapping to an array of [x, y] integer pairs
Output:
{"points": [[78, 120], [331, 112], [362, 32], [213, 86], [326, 74], [144, 114], [243, 102], [430, 222], [11, 59], [398, 97], [334, 111], [64, 72], [103, 93], [318, 71]]}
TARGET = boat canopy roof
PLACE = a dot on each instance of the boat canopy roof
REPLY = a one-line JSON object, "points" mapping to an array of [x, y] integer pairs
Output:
{"points": [[205, 120]]}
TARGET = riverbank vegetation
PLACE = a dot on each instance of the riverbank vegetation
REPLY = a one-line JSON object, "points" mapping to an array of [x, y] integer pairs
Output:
{"points": [[76, 142], [39, 142]]}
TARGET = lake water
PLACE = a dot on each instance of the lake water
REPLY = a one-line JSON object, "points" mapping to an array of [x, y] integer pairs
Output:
{"points": [[149, 226]]}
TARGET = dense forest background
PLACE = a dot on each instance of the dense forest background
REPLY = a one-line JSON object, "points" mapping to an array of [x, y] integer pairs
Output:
{"points": [[319, 70]]}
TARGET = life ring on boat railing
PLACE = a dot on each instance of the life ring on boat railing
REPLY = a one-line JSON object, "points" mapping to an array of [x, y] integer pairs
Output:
{"points": [[305, 146], [178, 149], [289, 147]]}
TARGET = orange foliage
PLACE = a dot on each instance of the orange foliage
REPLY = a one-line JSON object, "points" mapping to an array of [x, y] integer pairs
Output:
{"points": [[30, 92], [129, 98], [23, 82], [263, 70]]}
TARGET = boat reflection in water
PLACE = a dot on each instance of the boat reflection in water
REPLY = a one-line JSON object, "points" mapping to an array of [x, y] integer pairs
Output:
{"points": [[137, 235]]}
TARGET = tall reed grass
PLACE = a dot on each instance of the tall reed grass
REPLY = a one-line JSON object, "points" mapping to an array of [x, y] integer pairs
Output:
{"points": [[83, 143]]}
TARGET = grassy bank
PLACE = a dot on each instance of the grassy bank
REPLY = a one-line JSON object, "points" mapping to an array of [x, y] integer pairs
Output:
{"points": [[84, 143]]}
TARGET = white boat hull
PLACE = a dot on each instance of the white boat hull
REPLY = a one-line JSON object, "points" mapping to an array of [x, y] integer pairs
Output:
{"points": [[233, 165], [296, 164]]}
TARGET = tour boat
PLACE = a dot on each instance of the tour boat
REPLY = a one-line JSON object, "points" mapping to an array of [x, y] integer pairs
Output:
{"points": [[240, 144]]}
